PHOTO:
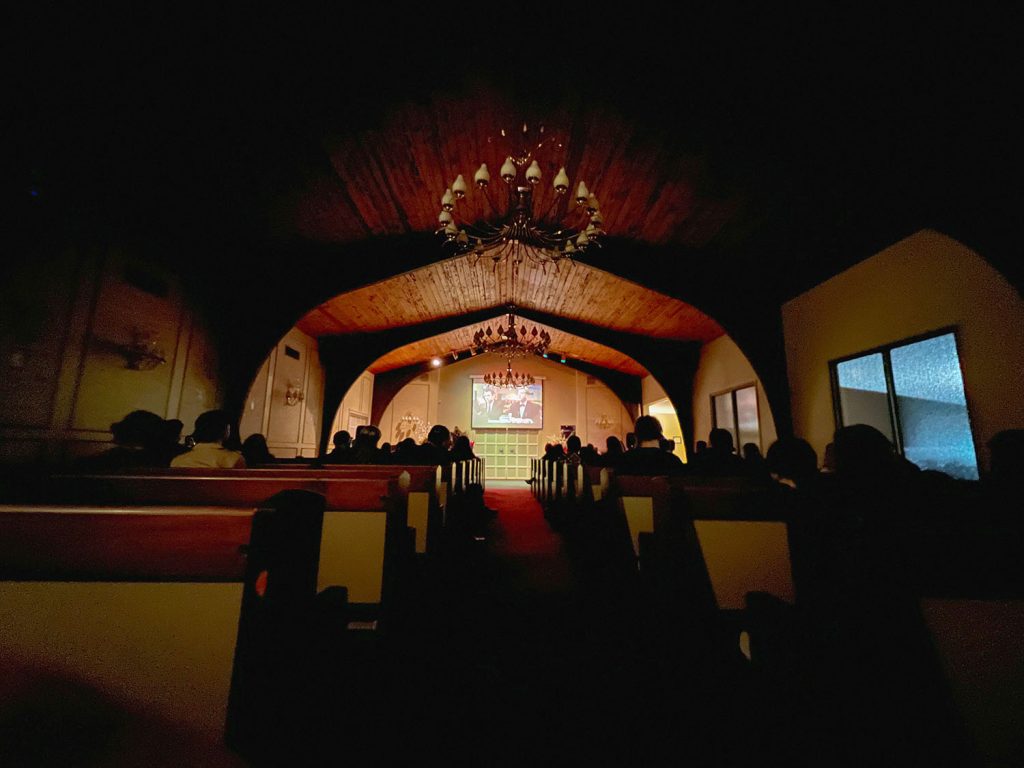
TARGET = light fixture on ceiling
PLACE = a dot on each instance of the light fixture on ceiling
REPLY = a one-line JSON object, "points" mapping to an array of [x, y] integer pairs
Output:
{"points": [[436, 362], [528, 224], [510, 342], [508, 378]]}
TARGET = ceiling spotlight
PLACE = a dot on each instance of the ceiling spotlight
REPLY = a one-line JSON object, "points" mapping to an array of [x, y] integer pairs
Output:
{"points": [[563, 359], [545, 355], [455, 356], [436, 362]]}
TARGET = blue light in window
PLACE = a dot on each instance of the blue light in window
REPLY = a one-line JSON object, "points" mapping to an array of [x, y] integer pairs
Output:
{"points": [[932, 406]]}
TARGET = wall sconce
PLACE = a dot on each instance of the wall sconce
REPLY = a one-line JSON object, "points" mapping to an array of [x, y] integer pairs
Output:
{"points": [[142, 353], [293, 394], [603, 422]]}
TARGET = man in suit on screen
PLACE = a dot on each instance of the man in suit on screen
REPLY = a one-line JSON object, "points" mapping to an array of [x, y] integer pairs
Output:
{"points": [[526, 411]]}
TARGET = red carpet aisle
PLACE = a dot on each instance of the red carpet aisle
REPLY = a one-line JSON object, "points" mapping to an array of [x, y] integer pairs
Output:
{"points": [[523, 538]]}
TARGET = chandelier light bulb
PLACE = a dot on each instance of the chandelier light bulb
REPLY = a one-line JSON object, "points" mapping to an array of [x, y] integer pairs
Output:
{"points": [[508, 170], [482, 177], [582, 194], [528, 223], [561, 181], [459, 187]]}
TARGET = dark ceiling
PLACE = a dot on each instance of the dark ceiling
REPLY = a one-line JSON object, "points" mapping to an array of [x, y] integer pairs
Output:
{"points": [[739, 161]]}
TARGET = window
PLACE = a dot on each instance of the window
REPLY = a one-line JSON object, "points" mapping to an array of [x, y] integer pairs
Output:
{"points": [[913, 392], [736, 412]]}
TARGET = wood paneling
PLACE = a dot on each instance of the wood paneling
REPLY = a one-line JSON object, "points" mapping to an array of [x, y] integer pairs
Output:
{"points": [[457, 286], [388, 179], [461, 339]]}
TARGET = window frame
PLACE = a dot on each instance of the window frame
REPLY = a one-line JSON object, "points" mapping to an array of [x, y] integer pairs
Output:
{"points": [[885, 351], [735, 412]]}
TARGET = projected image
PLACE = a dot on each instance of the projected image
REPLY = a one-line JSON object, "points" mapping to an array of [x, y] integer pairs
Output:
{"points": [[521, 407]]}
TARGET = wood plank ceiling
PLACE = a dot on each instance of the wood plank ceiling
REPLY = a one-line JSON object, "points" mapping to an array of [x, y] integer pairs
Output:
{"points": [[458, 286], [461, 340], [387, 178]]}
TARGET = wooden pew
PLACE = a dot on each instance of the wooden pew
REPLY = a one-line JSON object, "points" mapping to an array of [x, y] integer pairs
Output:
{"points": [[163, 623], [597, 480], [731, 536], [364, 528], [980, 646], [416, 484], [136, 607]]}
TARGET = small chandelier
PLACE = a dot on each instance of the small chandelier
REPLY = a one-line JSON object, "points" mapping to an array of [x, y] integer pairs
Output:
{"points": [[510, 342], [516, 230], [508, 379]]}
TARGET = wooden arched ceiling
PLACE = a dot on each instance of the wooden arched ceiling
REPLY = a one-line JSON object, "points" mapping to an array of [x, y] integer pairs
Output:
{"points": [[457, 286], [460, 340], [388, 179]]}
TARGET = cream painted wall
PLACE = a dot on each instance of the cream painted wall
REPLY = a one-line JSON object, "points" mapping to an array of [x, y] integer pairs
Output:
{"points": [[921, 284], [291, 430], [651, 391], [570, 397], [355, 406], [654, 394], [722, 366], [412, 411], [63, 373]]}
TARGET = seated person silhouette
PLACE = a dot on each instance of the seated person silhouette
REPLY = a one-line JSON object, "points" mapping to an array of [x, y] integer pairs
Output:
{"points": [[364, 450], [613, 451], [342, 452], [256, 452], [213, 428], [720, 460], [140, 440], [436, 448], [648, 458], [461, 449]]}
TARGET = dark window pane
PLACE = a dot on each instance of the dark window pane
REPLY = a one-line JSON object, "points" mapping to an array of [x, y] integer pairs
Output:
{"points": [[724, 416], [932, 407], [746, 417], [863, 397]]}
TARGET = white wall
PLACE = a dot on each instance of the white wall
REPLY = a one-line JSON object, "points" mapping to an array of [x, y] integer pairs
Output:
{"points": [[291, 430], [921, 284], [355, 406], [443, 396], [722, 366], [64, 322]]}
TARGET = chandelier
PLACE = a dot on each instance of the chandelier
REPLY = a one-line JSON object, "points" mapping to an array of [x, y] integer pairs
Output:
{"points": [[523, 225], [508, 378], [510, 342]]}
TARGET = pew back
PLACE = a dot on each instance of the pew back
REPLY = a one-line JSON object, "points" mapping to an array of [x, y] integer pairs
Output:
{"points": [[139, 607], [741, 536]]}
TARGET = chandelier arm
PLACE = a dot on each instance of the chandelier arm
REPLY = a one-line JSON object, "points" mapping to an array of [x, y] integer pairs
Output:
{"points": [[490, 202], [552, 207]]}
